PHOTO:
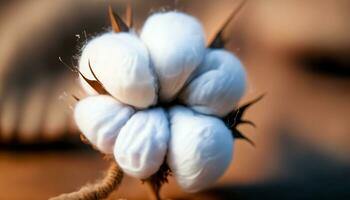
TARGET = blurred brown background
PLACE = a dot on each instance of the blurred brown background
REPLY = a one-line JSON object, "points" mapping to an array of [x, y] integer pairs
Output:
{"points": [[297, 52]]}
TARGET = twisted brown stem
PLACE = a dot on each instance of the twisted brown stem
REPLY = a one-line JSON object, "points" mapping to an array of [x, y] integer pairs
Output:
{"points": [[99, 190]]}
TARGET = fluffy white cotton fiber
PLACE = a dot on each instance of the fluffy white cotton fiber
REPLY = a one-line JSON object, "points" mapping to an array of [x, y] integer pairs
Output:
{"points": [[200, 149], [100, 119], [121, 62], [217, 84], [169, 62], [176, 44], [142, 143]]}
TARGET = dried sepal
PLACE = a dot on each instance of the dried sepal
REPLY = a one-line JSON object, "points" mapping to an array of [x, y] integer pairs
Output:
{"points": [[234, 119], [238, 113], [75, 97], [248, 122], [93, 73], [117, 23], [161, 177], [84, 139], [217, 41], [129, 15], [108, 157], [156, 181], [96, 85], [238, 135]]}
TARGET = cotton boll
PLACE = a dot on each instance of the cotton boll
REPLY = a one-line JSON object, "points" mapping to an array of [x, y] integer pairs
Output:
{"points": [[121, 62], [217, 85], [142, 143], [176, 44], [100, 119], [200, 148]]}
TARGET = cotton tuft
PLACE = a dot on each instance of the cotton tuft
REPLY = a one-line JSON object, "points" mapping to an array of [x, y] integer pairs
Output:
{"points": [[200, 149], [142, 143], [100, 119], [217, 85], [121, 62], [176, 44]]}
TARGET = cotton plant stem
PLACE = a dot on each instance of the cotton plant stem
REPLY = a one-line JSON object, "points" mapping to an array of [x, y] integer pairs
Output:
{"points": [[99, 190], [152, 190]]}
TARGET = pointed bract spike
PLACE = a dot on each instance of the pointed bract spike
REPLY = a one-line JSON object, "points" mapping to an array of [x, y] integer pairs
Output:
{"points": [[248, 122], [160, 177], [114, 24], [84, 139], [94, 84], [93, 73], [243, 108], [234, 118], [239, 135], [252, 102], [76, 98], [118, 25], [237, 114], [217, 40], [129, 15]]}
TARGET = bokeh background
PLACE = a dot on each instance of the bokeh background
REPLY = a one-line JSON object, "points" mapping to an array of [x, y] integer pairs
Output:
{"points": [[297, 52]]}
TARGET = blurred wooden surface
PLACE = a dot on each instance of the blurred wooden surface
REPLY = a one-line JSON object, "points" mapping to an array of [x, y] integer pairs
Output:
{"points": [[40, 174], [43, 173]]}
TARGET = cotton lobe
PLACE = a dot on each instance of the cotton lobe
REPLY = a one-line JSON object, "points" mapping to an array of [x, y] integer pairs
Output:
{"points": [[142, 143], [176, 44], [217, 85], [121, 62], [200, 149], [100, 119]]}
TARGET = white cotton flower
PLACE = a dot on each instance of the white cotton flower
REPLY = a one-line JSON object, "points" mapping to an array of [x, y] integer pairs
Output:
{"points": [[200, 148], [217, 85], [100, 119], [176, 44], [142, 143], [121, 62]]}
